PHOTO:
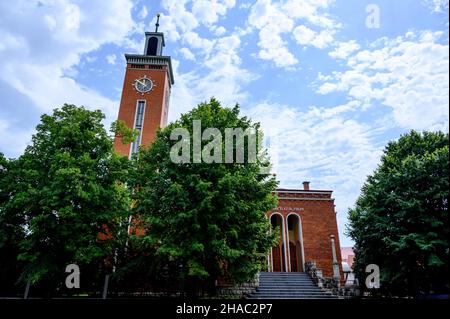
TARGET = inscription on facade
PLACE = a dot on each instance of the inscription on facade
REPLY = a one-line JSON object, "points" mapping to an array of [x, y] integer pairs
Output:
{"points": [[291, 208]]}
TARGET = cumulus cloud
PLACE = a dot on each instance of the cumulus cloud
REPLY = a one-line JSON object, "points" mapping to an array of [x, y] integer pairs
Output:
{"points": [[47, 38], [13, 141], [180, 19], [187, 54], [194, 41], [208, 11], [272, 22], [305, 36], [323, 145], [143, 13], [344, 49], [219, 71], [274, 19], [111, 59], [220, 75], [218, 30], [437, 6], [409, 74]]}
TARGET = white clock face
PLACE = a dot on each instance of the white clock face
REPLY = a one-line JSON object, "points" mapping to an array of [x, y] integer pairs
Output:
{"points": [[143, 85]]}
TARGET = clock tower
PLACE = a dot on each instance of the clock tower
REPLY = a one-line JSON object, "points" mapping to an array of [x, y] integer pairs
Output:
{"points": [[146, 90]]}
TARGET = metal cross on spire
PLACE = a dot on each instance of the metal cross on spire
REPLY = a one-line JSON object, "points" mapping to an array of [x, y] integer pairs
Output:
{"points": [[157, 22]]}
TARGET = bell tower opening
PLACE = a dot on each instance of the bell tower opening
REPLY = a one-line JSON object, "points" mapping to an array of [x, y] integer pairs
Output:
{"points": [[154, 41], [152, 47]]}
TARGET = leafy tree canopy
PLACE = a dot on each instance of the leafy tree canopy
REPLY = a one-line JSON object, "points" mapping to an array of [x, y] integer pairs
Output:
{"points": [[11, 229], [400, 220], [203, 221], [68, 188]]}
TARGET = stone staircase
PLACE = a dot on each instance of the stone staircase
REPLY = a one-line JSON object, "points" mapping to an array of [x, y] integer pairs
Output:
{"points": [[288, 285]]}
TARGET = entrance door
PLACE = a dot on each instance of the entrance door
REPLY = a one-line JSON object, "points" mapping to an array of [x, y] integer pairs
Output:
{"points": [[276, 258], [294, 258]]}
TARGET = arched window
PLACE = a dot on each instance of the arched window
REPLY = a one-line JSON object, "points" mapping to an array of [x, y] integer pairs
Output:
{"points": [[152, 46]]}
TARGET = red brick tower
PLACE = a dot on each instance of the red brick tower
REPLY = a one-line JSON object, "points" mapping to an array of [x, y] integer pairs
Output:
{"points": [[146, 90]]}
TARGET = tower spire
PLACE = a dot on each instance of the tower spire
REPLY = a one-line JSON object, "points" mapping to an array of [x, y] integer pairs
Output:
{"points": [[157, 22]]}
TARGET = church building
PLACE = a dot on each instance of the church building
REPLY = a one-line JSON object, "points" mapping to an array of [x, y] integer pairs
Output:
{"points": [[306, 218]]}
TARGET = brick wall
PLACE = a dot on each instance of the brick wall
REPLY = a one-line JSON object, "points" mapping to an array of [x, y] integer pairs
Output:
{"points": [[155, 103], [318, 219]]}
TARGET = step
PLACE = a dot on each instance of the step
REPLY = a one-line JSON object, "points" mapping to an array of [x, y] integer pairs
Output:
{"points": [[291, 274], [285, 279], [292, 293], [304, 284], [285, 286], [267, 295], [285, 275], [270, 296], [290, 283], [284, 292], [312, 289], [303, 297]]}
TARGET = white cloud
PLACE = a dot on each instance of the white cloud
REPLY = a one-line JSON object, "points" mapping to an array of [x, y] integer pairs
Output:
{"points": [[245, 5], [304, 35], [193, 40], [111, 59], [408, 74], [13, 142], [202, 12], [143, 13], [274, 19], [310, 10], [48, 38], [34, 42], [220, 75], [168, 26], [323, 145], [187, 54], [272, 22], [177, 20], [218, 72], [437, 6], [344, 49], [11, 42], [329, 112], [181, 22], [208, 11], [273, 47], [218, 30]]}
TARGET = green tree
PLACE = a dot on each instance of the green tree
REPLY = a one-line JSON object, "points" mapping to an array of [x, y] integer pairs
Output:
{"points": [[71, 190], [12, 231], [400, 221], [202, 221]]}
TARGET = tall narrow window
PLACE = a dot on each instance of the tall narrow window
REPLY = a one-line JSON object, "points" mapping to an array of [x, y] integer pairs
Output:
{"points": [[140, 110], [152, 47]]}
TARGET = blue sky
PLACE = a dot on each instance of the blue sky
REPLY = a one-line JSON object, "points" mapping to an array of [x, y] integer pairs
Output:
{"points": [[329, 90]]}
